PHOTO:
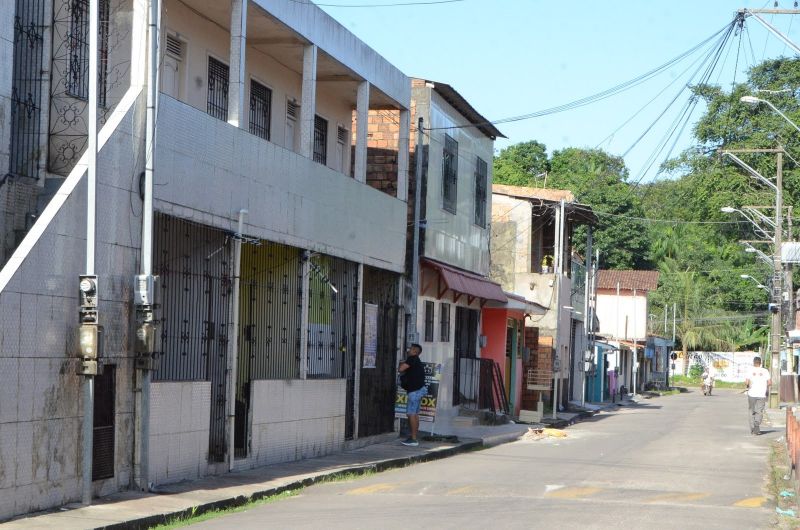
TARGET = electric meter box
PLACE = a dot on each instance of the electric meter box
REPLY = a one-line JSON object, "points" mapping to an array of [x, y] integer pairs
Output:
{"points": [[143, 290]]}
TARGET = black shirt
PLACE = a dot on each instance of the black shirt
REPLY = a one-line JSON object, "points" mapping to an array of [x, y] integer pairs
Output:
{"points": [[414, 376]]}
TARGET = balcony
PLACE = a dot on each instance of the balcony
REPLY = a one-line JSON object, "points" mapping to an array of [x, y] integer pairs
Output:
{"points": [[207, 170]]}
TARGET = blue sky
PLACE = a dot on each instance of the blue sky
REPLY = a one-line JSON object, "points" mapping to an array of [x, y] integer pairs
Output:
{"points": [[511, 57]]}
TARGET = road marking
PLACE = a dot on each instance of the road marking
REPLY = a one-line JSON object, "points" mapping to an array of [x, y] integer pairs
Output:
{"points": [[751, 502], [461, 491], [678, 496], [572, 493], [374, 488]]}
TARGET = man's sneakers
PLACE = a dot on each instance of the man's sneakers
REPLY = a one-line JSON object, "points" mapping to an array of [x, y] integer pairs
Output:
{"points": [[755, 431], [411, 442]]}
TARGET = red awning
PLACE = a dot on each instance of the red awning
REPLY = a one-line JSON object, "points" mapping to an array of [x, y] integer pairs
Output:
{"points": [[468, 283]]}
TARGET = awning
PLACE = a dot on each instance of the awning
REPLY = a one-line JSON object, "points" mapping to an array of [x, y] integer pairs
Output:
{"points": [[467, 283], [519, 303]]}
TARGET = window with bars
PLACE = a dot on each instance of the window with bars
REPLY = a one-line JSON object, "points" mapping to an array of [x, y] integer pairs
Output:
{"points": [[218, 89], [78, 41], [481, 171], [320, 140], [449, 174], [444, 322], [260, 109], [428, 321]]}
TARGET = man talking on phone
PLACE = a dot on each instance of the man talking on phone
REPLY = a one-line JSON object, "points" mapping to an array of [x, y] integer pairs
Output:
{"points": [[412, 379]]}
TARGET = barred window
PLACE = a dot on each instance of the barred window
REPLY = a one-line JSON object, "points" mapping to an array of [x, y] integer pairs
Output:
{"points": [[444, 322], [260, 109], [320, 140], [217, 89], [480, 193], [449, 174], [428, 321], [78, 41]]}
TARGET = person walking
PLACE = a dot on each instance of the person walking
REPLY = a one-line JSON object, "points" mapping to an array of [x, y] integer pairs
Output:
{"points": [[758, 384], [412, 379]]}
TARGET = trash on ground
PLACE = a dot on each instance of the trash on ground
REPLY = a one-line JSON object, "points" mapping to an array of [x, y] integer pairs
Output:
{"points": [[790, 513], [787, 493], [543, 432]]}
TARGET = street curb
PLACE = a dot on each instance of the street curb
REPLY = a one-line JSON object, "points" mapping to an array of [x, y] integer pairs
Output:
{"points": [[361, 469]]}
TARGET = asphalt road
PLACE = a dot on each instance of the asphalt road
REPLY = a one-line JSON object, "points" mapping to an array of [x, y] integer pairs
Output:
{"points": [[683, 461]]}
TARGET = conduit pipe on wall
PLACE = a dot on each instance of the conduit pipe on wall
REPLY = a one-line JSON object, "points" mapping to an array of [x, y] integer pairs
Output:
{"points": [[233, 342]]}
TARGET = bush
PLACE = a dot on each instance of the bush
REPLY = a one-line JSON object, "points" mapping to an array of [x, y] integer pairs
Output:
{"points": [[696, 370]]}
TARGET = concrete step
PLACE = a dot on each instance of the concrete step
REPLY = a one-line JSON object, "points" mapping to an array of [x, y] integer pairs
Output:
{"points": [[465, 421]]}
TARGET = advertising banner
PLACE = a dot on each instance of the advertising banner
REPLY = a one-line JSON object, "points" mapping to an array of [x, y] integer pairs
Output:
{"points": [[370, 335], [427, 412]]}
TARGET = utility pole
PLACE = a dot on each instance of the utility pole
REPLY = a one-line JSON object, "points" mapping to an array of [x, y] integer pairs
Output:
{"points": [[777, 315], [411, 333]]}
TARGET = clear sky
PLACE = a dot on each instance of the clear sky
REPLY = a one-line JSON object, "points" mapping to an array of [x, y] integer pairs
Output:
{"points": [[512, 57]]}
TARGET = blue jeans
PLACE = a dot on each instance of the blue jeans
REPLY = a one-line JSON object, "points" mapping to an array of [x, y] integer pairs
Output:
{"points": [[415, 400]]}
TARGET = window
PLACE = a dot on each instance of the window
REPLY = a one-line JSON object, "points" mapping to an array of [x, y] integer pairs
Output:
{"points": [[292, 114], [342, 148], [78, 42], [449, 174], [428, 321], [320, 140], [480, 193], [444, 322], [217, 89], [260, 109], [172, 68]]}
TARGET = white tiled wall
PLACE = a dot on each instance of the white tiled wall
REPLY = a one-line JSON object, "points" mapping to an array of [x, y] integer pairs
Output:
{"points": [[179, 428], [296, 419]]}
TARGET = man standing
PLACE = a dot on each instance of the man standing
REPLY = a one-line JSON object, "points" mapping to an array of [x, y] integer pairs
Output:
{"points": [[412, 379], [758, 383]]}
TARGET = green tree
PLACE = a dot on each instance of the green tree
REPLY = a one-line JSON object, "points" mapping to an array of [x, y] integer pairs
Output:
{"points": [[522, 164]]}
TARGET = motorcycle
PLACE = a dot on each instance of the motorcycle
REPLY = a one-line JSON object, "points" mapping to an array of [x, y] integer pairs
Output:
{"points": [[708, 385]]}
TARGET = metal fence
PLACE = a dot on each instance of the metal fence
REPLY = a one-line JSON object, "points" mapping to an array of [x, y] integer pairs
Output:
{"points": [[193, 265], [481, 386]]}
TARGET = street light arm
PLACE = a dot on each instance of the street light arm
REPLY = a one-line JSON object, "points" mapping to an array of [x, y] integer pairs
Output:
{"points": [[773, 30], [750, 170]]}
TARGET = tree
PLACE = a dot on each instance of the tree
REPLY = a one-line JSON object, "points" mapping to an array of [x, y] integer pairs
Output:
{"points": [[522, 164]]}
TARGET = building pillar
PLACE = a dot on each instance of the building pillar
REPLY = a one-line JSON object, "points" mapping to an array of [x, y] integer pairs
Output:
{"points": [[304, 303], [238, 68], [308, 102], [362, 127], [403, 157]]}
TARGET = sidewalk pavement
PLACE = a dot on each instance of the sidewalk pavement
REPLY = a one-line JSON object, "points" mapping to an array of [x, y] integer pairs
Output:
{"points": [[134, 510]]}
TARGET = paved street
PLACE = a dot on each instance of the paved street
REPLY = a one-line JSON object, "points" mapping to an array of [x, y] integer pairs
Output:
{"points": [[684, 461]]}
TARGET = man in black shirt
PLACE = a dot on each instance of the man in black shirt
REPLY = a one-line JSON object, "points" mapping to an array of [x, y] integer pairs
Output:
{"points": [[412, 379]]}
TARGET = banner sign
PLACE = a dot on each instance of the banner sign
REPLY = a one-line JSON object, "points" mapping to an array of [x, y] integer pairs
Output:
{"points": [[370, 335], [427, 412]]}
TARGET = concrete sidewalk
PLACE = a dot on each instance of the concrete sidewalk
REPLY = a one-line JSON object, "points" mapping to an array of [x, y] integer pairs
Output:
{"points": [[141, 510]]}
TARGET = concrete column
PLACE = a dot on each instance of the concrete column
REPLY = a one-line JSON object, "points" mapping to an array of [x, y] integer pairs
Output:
{"points": [[362, 127], [238, 68], [403, 156], [304, 302], [44, 120], [308, 100]]}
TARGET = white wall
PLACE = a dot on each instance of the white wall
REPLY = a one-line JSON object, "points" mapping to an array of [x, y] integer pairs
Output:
{"points": [[207, 170], [7, 60], [180, 417], [612, 311], [455, 238], [296, 419]]}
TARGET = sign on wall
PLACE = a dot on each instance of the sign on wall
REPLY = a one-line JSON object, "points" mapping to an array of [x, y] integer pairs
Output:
{"points": [[370, 335], [427, 411]]}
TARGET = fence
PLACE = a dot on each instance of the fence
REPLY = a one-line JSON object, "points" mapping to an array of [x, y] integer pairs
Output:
{"points": [[481, 386]]}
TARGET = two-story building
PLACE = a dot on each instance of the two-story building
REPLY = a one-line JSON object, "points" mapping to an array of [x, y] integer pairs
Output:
{"points": [[258, 358], [531, 246]]}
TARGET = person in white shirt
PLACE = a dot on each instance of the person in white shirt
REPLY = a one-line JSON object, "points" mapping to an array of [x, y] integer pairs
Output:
{"points": [[758, 383]]}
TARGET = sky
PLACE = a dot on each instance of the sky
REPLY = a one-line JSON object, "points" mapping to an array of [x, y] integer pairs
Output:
{"points": [[513, 57]]}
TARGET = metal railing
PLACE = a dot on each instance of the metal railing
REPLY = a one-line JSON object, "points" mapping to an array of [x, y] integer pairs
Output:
{"points": [[481, 386]]}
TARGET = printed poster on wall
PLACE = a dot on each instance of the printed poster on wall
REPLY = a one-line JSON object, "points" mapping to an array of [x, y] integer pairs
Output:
{"points": [[427, 411], [370, 335]]}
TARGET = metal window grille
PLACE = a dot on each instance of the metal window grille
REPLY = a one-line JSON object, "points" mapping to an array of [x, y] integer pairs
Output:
{"points": [[78, 42], [449, 174], [480, 192], [26, 86], [320, 140], [218, 89], [444, 322], [103, 424], [260, 109], [428, 321]]}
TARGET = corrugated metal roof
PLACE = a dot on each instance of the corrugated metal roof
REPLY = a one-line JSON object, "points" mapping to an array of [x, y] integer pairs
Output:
{"points": [[628, 280], [467, 282], [533, 193]]}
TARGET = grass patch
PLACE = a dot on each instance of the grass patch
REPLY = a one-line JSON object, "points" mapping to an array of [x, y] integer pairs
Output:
{"points": [[347, 477], [190, 519], [778, 481], [684, 380]]}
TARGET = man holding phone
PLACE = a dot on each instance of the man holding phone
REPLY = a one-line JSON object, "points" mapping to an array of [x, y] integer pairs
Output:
{"points": [[412, 379]]}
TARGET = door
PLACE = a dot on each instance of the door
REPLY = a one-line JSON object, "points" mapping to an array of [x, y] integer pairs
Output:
{"points": [[103, 424], [170, 77], [466, 342]]}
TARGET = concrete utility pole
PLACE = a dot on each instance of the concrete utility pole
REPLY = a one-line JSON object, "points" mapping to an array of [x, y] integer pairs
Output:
{"points": [[412, 335]]}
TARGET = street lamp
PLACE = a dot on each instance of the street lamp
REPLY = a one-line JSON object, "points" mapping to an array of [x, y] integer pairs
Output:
{"points": [[758, 284], [750, 249], [752, 100], [754, 216]]}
